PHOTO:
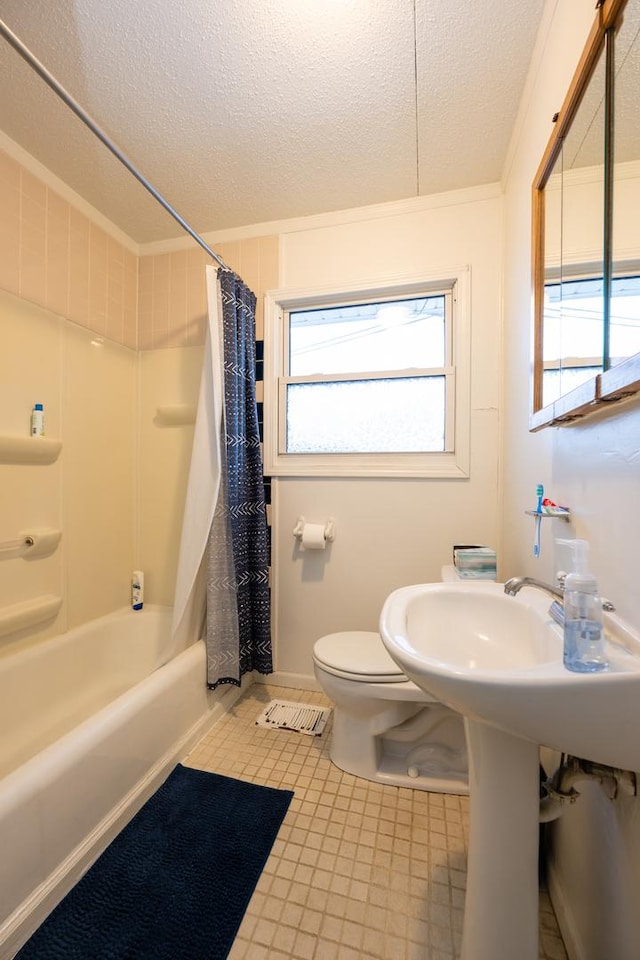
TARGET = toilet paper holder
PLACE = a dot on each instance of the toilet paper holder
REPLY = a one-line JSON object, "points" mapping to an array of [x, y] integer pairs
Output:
{"points": [[329, 529]]}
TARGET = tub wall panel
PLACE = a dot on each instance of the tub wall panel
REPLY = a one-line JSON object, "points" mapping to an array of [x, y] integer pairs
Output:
{"points": [[31, 371], [99, 400], [87, 387], [171, 334], [167, 377]]}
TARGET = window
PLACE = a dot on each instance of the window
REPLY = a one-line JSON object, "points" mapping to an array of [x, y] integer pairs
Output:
{"points": [[367, 381]]}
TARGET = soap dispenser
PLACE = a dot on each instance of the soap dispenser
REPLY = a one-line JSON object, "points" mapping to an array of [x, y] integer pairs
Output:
{"points": [[583, 631]]}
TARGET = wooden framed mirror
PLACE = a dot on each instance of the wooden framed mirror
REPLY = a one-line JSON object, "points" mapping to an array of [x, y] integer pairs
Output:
{"points": [[586, 231]]}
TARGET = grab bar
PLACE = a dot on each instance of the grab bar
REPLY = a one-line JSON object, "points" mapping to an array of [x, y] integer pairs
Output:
{"points": [[32, 544], [7, 545]]}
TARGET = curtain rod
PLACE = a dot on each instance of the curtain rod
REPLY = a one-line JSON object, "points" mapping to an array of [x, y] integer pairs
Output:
{"points": [[57, 88]]}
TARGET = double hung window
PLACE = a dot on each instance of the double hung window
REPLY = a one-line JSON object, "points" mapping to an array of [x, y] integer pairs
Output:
{"points": [[364, 382]]}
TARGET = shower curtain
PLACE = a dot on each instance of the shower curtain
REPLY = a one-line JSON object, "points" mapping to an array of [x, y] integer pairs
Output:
{"points": [[224, 554]]}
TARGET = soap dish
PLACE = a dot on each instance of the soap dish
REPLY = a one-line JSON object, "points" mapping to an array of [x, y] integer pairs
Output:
{"points": [[560, 515]]}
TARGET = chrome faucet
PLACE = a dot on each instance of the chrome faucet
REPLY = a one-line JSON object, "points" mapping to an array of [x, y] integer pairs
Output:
{"points": [[515, 585]]}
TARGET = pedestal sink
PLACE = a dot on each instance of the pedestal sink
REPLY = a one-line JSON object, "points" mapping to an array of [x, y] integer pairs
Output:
{"points": [[497, 659]]}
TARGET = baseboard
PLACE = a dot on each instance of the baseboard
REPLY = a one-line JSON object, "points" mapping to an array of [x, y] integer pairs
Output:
{"points": [[295, 681], [564, 916]]}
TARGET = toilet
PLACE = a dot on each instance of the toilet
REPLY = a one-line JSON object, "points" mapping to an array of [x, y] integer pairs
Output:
{"points": [[385, 728]]}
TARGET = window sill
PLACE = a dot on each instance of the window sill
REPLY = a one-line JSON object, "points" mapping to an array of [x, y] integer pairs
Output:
{"points": [[435, 465]]}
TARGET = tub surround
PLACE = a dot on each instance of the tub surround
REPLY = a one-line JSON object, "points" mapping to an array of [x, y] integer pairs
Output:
{"points": [[48, 359], [84, 315]]}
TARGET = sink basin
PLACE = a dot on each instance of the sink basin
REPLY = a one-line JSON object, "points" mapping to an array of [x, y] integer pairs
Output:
{"points": [[497, 659]]}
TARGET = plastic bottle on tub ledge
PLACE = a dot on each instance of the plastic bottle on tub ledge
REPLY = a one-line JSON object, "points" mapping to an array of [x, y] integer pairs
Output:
{"points": [[137, 589], [37, 420]]}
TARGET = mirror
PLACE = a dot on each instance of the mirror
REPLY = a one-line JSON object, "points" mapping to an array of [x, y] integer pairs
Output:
{"points": [[573, 316], [624, 318], [586, 240]]}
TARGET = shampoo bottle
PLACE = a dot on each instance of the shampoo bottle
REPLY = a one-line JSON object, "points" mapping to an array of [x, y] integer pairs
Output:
{"points": [[137, 589], [583, 632], [37, 420]]}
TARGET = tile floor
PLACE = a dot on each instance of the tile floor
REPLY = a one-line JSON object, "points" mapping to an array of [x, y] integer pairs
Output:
{"points": [[359, 871]]}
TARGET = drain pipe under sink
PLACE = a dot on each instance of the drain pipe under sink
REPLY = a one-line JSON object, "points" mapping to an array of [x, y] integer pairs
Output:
{"points": [[559, 792]]}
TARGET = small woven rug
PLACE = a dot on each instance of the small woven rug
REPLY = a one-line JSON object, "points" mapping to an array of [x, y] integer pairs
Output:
{"points": [[175, 883]]}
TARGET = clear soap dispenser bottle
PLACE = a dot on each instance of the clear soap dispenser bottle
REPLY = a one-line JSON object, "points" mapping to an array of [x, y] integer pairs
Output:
{"points": [[583, 631]]}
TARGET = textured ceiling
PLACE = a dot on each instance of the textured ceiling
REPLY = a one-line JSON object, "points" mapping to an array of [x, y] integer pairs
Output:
{"points": [[241, 111]]}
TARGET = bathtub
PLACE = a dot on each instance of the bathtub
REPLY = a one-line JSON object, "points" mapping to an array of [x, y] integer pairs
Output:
{"points": [[91, 722]]}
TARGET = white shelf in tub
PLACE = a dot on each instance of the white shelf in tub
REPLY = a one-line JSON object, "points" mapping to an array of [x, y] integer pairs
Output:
{"points": [[19, 616], [29, 449]]}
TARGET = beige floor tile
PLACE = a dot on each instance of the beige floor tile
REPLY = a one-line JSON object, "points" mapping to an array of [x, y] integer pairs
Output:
{"points": [[359, 871]]}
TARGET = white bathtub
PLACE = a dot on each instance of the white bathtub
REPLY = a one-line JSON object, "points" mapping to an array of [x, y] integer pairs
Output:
{"points": [[90, 723]]}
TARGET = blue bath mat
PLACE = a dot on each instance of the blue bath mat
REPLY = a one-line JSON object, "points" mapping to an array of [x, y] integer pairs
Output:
{"points": [[175, 883]]}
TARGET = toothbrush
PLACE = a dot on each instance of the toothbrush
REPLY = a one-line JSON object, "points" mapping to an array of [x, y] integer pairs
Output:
{"points": [[536, 542]]}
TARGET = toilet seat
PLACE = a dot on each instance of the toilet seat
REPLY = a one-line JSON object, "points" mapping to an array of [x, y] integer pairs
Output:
{"points": [[357, 655]]}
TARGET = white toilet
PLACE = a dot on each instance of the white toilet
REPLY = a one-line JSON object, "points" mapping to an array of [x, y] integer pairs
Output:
{"points": [[384, 727]]}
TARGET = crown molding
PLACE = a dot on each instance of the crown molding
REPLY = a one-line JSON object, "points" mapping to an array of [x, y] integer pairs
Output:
{"points": [[319, 221]]}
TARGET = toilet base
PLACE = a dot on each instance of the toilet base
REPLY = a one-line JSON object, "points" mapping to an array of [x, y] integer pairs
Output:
{"points": [[436, 759]]}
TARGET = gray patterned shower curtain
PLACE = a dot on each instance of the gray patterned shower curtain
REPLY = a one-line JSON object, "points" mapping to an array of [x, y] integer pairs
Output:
{"points": [[238, 630]]}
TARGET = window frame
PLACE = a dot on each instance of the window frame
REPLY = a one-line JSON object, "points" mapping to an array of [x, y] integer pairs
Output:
{"points": [[453, 462]]}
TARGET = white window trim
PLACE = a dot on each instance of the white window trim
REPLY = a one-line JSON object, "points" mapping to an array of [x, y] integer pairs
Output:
{"points": [[452, 463]]}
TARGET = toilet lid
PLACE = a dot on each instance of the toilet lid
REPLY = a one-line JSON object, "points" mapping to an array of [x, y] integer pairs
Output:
{"points": [[357, 653]]}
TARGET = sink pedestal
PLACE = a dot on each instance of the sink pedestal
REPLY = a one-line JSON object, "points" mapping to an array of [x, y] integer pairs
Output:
{"points": [[498, 659], [501, 905]]}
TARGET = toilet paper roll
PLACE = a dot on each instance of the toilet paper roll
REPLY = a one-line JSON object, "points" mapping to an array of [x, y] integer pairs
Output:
{"points": [[313, 536]]}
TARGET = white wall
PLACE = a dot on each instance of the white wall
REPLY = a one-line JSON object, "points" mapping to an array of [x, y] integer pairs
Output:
{"points": [[390, 532], [592, 466]]}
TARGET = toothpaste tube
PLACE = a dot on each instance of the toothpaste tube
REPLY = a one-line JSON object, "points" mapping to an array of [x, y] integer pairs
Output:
{"points": [[551, 509]]}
